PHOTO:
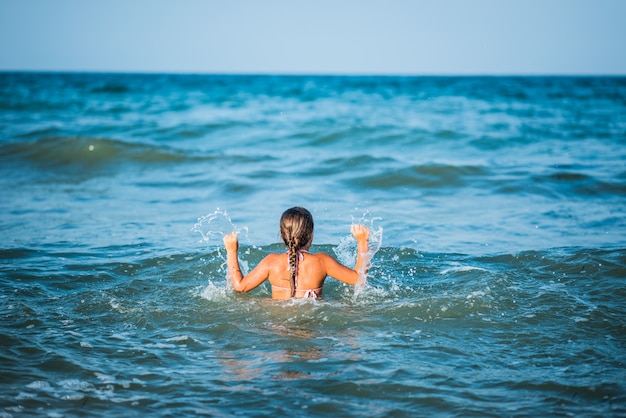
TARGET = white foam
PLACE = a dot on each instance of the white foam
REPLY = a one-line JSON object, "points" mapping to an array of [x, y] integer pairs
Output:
{"points": [[162, 345], [40, 385], [75, 384], [460, 269], [179, 338], [475, 294], [25, 395], [105, 378]]}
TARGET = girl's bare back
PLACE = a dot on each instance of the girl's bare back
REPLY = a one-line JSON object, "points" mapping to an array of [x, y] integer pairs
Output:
{"points": [[297, 273]]}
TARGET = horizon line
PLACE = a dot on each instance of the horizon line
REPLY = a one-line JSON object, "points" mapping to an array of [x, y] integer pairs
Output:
{"points": [[312, 74]]}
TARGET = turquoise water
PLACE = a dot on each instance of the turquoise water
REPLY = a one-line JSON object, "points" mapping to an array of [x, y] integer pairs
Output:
{"points": [[499, 288]]}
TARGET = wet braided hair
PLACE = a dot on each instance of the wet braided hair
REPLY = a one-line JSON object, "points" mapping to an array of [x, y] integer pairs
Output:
{"points": [[296, 230]]}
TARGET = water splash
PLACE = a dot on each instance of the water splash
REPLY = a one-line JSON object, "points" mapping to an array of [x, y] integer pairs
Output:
{"points": [[346, 250], [215, 225], [216, 292]]}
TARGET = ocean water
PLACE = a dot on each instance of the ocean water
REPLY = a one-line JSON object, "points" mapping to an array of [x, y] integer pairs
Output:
{"points": [[498, 277]]}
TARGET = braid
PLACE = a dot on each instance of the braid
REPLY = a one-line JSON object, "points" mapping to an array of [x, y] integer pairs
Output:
{"points": [[296, 230], [293, 260]]}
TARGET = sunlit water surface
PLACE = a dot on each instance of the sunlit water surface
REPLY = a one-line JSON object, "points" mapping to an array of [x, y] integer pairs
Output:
{"points": [[499, 288]]}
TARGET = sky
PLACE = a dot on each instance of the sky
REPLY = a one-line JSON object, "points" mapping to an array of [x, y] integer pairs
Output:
{"points": [[378, 37]]}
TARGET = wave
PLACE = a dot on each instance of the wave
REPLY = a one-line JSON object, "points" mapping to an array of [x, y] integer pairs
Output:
{"points": [[433, 176], [568, 183], [405, 288], [91, 156], [558, 184], [430, 176], [396, 272]]}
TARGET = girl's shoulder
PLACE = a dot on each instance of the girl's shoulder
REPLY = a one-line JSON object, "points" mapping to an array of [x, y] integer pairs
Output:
{"points": [[322, 257], [274, 257]]}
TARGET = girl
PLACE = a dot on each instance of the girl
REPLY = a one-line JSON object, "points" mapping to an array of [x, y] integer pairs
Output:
{"points": [[298, 273]]}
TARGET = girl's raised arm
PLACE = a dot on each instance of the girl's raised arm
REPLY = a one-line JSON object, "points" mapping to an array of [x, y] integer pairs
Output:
{"points": [[241, 283], [361, 233], [345, 274]]}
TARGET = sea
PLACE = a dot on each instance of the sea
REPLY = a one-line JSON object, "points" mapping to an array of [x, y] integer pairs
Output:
{"points": [[497, 279]]}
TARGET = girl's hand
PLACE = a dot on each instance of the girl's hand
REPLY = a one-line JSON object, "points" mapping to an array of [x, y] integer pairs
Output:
{"points": [[231, 242], [361, 232]]}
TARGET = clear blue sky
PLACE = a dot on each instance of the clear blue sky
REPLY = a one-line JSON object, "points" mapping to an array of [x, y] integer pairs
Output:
{"points": [[316, 36]]}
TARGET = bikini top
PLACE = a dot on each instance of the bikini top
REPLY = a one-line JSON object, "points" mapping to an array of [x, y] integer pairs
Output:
{"points": [[301, 293], [305, 293]]}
